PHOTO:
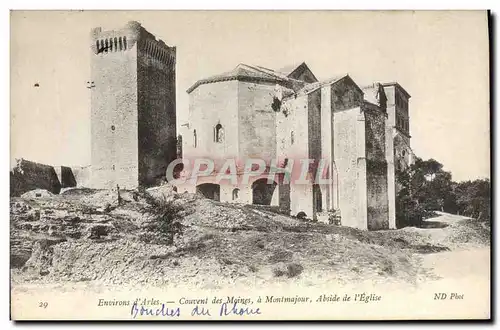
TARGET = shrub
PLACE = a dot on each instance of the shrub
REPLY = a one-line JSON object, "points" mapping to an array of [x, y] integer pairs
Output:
{"points": [[278, 272], [253, 268], [388, 267], [166, 222], [294, 269]]}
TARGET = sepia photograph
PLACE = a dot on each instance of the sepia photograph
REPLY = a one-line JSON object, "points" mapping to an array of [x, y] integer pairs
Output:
{"points": [[250, 165]]}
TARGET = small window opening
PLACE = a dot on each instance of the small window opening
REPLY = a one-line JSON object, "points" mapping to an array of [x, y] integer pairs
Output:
{"points": [[235, 193], [219, 133]]}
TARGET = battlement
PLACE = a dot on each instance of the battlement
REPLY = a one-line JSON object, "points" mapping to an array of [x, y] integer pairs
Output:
{"points": [[124, 39]]}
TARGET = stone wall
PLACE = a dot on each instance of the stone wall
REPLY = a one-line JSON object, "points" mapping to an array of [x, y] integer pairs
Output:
{"points": [[376, 169], [292, 123], [66, 177], [156, 107], [114, 118], [27, 175], [314, 124], [349, 152], [82, 175], [257, 121], [210, 105], [297, 196]]}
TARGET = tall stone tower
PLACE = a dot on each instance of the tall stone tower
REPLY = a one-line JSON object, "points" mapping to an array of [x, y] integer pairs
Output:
{"points": [[398, 150], [133, 121], [399, 119]]}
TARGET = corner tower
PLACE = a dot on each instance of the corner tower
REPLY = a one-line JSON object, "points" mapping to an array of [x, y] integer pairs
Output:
{"points": [[398, 150], [399, 119], [133, 121]]}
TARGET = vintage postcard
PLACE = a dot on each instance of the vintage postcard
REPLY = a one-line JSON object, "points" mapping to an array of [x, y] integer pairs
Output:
{"points": [[250, 165]]}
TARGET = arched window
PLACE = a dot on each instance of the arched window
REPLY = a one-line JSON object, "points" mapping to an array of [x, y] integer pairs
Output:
{"points": [[235, 193], [219, 133], [125, 43], [116, 44], [120, 43], [195, 140], [292, 137]]}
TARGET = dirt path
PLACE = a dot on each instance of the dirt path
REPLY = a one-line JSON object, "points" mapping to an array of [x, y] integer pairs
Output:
{"points": [[466, 262], [473, 263]]}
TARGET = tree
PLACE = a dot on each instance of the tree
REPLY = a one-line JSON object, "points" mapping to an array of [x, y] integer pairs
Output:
{"points": [[473, 198], [423, 187]]}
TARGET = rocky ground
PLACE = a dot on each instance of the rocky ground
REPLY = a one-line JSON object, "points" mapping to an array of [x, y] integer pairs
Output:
{"points": [[161, 238]]}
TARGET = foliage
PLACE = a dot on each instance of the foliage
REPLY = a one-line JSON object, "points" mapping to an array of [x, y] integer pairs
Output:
{"points": [[166, 223], [473, 199], [424, 187]]}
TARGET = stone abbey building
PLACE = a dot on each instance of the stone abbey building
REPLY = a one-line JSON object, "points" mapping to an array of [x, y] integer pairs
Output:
{"points": [[362, 133]]}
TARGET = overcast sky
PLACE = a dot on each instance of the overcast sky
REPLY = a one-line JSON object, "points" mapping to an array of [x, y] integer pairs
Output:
{"points": [[440, 58]]}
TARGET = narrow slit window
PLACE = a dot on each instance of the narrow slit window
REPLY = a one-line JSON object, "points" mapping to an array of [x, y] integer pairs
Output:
{"points": [[219, 133]]}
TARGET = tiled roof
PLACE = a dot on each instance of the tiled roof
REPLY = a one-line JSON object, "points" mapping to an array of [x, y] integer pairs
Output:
{"points": [[290, 86], [289, 68], [309, 88], [243, 71], [273, 72]]}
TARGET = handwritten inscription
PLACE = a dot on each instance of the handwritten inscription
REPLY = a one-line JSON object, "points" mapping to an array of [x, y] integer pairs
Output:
{"points": [[225, 310], [154, 311], [200, 311]]}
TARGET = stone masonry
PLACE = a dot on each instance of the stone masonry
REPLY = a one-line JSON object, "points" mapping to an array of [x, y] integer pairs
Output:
{"points": [[133, 119]]}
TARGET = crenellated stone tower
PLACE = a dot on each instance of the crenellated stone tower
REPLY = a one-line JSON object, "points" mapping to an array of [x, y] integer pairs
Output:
{"points": [[133, 120]]}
